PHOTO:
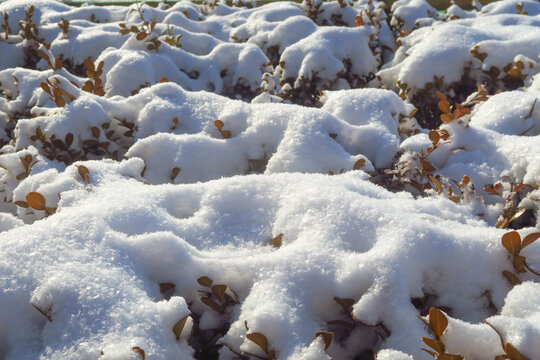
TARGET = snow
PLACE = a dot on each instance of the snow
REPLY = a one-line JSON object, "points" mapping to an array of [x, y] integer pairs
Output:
{"points": [[276, 151]]}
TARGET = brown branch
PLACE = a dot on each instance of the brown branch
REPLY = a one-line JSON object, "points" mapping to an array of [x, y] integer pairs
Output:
{"points": [[532, 110], [243, 354], [497, 331], [42, 312], [528, 268]]}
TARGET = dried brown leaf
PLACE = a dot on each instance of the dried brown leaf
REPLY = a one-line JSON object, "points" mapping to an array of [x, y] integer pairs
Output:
{"points": [[449, 357], [226, 134], [327, 337], [529, 239], [211, 303], [179, 326], [437, 322], [436, 345], [88, 86], [511, 277], [140, 351], [345, 303], [36, 200], [219, 124], [520, 211], [164, 287], [434, 136], [175, 172], [141, 36], [259, 339], [205, 281], [342, 323], [444, 106], [427, 168], [84, 172], [445, 118], [219, 290], [519, 264], [22, 204], [437, 184], [432, 353], [46, 88], [69, 139], [514, 72], [440, 95], [277, 241], [95, 131], [513, 353], [359, 164], [512, 242]]}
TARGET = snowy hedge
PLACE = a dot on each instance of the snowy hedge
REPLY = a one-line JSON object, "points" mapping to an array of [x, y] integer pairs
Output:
{"points": [[289, 181]]}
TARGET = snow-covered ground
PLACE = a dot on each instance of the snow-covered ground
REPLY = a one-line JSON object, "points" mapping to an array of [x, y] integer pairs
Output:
{"points": [[290, 181]]}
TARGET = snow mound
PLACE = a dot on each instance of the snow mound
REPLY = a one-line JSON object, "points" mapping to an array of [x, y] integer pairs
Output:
{"points": [[289, 181]]}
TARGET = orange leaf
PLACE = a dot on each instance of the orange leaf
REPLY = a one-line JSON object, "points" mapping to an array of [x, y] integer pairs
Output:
{"points": [[277, 241], [141, 36], [437, 322], [445, 118], [427, 168], [327, 337], [514, 72], [45, 88], [434, 136], [140, 351], [519, 187], [529, 239], [440, 95], [454, 198], [512, 242], [436, 345], [84, 172], [437, 183], [88, 86], [444, 106], [219, 124], [513, 353], [491, 191], [36, 200], [89, 64]]}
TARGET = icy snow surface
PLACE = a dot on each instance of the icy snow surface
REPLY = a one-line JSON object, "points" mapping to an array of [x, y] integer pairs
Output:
{"points": [[267, 173]]}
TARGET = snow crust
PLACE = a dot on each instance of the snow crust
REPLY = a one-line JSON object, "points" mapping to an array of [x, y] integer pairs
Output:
{"points": [[198, 155]]}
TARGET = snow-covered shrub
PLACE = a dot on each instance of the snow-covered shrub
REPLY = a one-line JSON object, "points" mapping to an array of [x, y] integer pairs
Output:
{"points": [[455, 56], [162, 197]]}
